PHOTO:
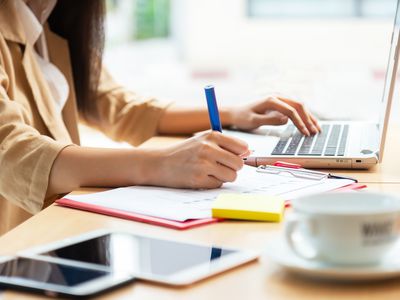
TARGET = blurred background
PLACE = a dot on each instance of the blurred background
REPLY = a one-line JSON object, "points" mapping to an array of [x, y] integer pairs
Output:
{"points": [[330, 54]]}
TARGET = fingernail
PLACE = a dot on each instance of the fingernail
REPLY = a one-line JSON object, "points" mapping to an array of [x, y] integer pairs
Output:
{"points": [[306, 132], [243, 143], [314, 129], [246, 154]]}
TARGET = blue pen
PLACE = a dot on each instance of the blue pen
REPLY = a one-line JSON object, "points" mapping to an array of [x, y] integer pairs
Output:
{"points": [[213, 108]]}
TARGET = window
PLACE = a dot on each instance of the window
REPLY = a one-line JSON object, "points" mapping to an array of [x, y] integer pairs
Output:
{"points": [[137, 20], [321, 8]]}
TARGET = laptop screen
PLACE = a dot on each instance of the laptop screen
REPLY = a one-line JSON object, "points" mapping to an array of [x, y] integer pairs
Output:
{"points": [[390, 81]]}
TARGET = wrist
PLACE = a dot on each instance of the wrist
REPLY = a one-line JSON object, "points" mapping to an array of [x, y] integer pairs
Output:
{"points": [[226, 116], [143, 167]]}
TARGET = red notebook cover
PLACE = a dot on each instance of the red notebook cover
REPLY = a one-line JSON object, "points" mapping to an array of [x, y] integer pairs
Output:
{"points": [[160, 221], [134, 216]]}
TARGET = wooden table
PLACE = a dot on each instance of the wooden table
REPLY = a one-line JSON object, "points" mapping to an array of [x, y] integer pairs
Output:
{"points": [[255, 280]]}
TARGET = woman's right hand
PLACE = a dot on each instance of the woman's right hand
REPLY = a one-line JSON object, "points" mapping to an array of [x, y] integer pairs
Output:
{"points": [[203, 161]]}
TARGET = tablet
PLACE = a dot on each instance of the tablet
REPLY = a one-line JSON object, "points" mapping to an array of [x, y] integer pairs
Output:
{"points": [[161, 260], [56, 278]]}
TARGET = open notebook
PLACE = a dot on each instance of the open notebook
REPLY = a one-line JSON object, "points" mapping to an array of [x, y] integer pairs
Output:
{"points": [[184, 208]]}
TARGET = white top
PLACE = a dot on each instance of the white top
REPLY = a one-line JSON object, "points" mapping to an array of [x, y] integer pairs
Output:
{"points": [[33, 15]]}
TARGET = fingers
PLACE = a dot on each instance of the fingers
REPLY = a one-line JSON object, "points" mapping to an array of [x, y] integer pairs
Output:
{"points": [[303, 113], [225, 150], [291, 112], [214, 175], [210, 182], [263, 106], [270, 118], [295, 110], [316, 124], [219, 160], [246, 154], [228, 159], [231, 144], [223, 173]]}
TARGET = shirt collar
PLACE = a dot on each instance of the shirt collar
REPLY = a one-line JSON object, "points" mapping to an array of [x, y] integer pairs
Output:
{"points": [[41, 8], [12, 24], [33, 15]]}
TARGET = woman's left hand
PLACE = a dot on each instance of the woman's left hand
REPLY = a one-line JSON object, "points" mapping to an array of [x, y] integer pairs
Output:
{"points": [[274, 111]]}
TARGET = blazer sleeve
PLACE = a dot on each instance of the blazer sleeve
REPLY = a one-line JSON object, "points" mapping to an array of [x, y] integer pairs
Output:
{"points": [[123, 115], [26, 156]]}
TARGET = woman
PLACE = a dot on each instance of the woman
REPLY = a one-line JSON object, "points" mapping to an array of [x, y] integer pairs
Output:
{"points": [[51, 74]]}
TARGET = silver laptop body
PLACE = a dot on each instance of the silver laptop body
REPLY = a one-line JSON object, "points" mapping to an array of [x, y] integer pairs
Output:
{"points": [[345, 145]]}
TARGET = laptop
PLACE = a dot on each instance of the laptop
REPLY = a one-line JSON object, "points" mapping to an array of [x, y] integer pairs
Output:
{"points": [[344, 145]]}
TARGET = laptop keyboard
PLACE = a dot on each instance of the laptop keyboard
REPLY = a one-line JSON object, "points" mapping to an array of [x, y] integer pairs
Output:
{"points": [[330, 142]]}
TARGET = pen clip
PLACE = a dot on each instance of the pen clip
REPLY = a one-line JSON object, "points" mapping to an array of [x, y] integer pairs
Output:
{"points": [[298, 173]]}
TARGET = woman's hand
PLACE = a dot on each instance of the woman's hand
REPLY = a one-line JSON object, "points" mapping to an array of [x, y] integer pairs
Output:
{"points": [[274, 111], [203, 161]]}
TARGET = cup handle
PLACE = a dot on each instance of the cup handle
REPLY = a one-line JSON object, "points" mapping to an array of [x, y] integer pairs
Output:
{"points": [[291, 223]]}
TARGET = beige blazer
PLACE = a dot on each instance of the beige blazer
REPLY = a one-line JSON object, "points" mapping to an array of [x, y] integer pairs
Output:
{"points": [[32, 133]]}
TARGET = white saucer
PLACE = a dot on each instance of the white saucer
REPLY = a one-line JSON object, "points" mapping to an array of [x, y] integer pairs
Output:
{"points": [[279, 252]]}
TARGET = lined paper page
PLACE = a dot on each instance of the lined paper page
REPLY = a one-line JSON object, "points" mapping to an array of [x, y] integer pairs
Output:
{"points": [[184, 204]]}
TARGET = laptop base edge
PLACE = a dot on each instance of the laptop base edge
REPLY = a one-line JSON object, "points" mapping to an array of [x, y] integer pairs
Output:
{"points": [[362, 163]]}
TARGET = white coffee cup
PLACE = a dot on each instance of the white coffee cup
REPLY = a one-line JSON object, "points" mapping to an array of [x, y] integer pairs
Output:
{"points": [[343, 228]]}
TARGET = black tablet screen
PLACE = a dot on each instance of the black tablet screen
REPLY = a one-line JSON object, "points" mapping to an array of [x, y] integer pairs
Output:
{"points": [[46, 272], [126, 252]]}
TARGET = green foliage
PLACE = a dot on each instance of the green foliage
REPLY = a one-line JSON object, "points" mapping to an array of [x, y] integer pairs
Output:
{"points": [[152, 19]]}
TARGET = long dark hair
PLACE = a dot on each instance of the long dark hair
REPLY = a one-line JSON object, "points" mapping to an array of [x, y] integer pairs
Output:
{"points": [[82, 24]]}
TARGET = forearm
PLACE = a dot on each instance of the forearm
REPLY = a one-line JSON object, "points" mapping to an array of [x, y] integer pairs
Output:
{"points": [[204, 161], [179, 120], [77, 167]]}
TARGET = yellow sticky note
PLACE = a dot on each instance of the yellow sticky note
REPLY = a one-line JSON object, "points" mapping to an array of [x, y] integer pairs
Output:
{"points": [[248, 207]]}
